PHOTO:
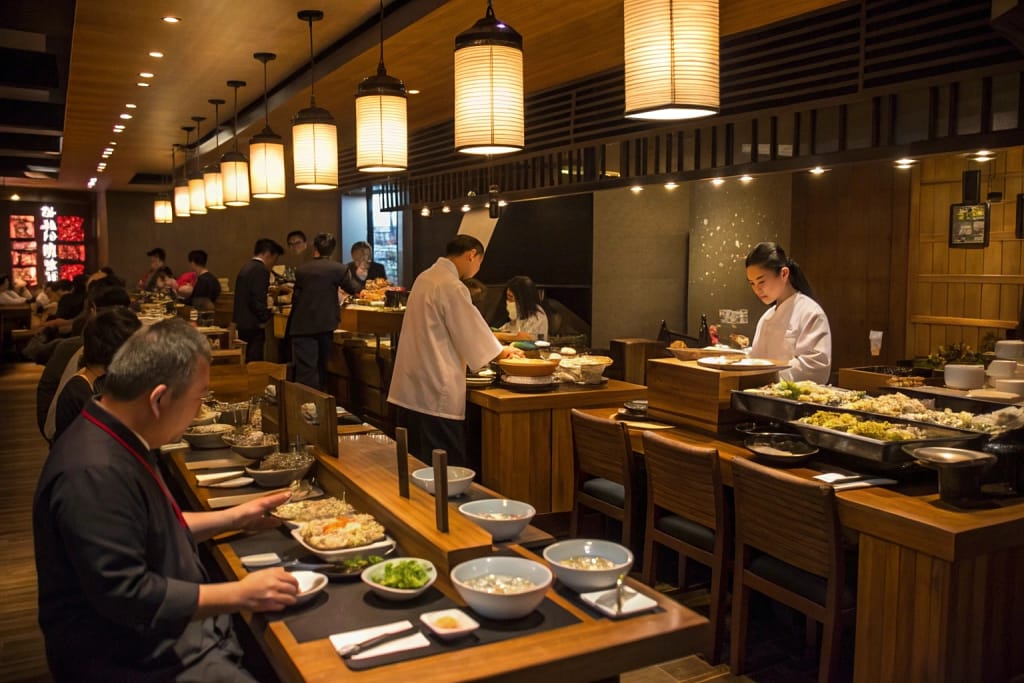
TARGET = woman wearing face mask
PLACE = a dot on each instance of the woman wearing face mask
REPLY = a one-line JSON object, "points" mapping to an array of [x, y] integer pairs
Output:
{"points": [[795, 328], [524, 311]]}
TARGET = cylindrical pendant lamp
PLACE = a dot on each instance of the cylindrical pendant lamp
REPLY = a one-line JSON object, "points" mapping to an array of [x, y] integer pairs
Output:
{"points": [[489, 88], [212, 183], [381, 121], [182, 200], [314, 133], [163, 212], [234, 167], [196, 186], [266, 150], [671, 55]]}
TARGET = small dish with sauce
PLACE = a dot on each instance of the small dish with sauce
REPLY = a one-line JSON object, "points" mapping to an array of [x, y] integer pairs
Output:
{"points": [[449, 624]]}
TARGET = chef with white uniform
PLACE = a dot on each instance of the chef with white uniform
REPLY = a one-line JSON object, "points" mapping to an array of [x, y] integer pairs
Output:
{"points": [[795, 328], [442, 334]]}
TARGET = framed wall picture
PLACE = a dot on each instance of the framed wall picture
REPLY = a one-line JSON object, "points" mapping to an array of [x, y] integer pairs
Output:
{"points": [[968, 225]]}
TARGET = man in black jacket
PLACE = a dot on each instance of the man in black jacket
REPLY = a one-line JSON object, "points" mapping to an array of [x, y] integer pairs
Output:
{"points": [[315, 311], [362, 269], [252, 313], [206, 288]]}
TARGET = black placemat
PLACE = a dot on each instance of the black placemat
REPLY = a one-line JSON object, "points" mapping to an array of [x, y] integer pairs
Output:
{"points": [[350, 605]]}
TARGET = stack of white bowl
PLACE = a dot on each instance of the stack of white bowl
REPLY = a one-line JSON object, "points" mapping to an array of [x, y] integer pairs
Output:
{"points": [[963, 376], [1006, 373]]}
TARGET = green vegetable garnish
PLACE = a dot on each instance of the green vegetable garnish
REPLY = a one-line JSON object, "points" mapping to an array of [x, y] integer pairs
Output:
{"points": [[354, 563], [405, 574]]}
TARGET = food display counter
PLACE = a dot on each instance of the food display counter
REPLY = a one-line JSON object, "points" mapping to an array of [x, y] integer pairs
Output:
{"points": [[562, 639], [939, 593]]}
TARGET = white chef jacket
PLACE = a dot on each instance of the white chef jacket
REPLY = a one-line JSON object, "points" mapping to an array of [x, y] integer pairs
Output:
{"points": [[442, 334], [796, 331]]}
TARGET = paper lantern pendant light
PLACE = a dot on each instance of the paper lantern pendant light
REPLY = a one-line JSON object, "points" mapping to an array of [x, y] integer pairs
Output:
{"points": [[266, 150], [314, 133], [234, 167], [163, 212], [182, 199], [196, 186], [489, 88], [213, 185], [671, 55], [381, 123]]}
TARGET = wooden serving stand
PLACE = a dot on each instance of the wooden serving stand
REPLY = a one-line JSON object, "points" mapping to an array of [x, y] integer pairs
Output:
{"points": [[687, 393]]}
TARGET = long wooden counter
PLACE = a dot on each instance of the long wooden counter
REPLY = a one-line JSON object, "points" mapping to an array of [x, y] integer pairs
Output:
{"points": [[591, 649], [939, 592], [526, 439]]}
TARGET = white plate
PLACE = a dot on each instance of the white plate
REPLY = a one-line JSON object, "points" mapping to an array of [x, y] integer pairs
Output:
{"points": [[377, 548], [740, 363], [237, 482], [632, 601]]}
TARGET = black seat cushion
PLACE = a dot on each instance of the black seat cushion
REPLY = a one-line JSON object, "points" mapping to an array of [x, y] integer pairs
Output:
{"points": [[810, 586], [688, 531], [608, 491]]}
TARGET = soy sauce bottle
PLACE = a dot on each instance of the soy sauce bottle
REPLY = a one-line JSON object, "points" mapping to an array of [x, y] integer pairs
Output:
{"points": [[703, 332]]}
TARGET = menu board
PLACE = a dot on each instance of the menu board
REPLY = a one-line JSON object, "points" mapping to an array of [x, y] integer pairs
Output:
{"points": [[47, 246]]}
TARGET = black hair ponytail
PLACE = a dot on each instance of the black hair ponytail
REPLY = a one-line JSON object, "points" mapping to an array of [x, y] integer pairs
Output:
{"points": [[771, 256]]}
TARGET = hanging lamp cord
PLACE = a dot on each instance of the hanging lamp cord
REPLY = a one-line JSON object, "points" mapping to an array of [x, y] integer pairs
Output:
{"points": [[234, 123], [312, 63], [266, 98]]}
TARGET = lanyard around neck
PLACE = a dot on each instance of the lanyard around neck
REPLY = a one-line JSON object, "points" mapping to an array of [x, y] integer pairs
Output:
{"points": [[144, 463]]}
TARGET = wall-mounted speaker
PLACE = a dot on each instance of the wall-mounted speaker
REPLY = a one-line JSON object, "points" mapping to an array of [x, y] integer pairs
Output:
{"points": [[971, 187]]}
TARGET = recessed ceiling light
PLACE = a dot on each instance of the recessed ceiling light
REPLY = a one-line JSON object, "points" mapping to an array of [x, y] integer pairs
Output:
{"points": [[746, 178], [171, 20], [145, 74], [142, 84], [91, 184], [156, 55], [118, 130], [17, 197], [502, 203], [671, 185], [818, 170], [717, 181], [425, 212], [131, 106], [904, 166], [983, 153], [636, 188], [446, 209], [465, 208], [412, 92], [982, 158], [112, 142], [904, 161], [126, 117]]}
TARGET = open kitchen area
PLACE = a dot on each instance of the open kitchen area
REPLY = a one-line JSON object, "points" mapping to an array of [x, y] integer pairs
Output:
{"points": [[723, 381]]}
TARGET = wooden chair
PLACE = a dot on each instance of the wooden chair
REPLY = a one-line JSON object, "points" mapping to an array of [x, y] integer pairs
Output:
{"points": [[604, 474], [686, 512], [789, 547]]}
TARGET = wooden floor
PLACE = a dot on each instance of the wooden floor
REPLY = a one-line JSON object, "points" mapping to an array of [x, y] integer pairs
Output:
{"points": [[21, 643]]}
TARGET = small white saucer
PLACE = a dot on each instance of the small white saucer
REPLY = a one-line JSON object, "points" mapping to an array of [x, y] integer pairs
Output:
{"points": [[632, 601]]}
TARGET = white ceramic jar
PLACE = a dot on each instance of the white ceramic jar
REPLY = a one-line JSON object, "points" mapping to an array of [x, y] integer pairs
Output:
{"points": [[962, 376]]}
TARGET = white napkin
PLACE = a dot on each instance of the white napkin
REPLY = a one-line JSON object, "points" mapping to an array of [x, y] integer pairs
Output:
{"points": [[202, 479], [168, 447], [844, 482], [413, 641]]}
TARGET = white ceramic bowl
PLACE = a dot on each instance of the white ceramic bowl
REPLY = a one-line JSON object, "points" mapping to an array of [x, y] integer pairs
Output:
{"points": [[209, 436], [496, 605], [397, 594], [1012, 349], [449, 624], [1001, 368], [459, 479], [275, 478], [962, 376], [1013, 386], [583, 580], [310, 583], [483, 512]]}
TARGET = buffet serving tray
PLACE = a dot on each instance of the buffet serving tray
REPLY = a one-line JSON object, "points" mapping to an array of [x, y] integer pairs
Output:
{"points": [[874, 449], [775, 407]]}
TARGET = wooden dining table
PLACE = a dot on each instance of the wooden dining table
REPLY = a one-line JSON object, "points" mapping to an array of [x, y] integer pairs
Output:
{"points": [[592, 648], [940, 593]]}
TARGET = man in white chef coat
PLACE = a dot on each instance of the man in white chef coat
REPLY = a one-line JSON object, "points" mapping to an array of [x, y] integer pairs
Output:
{"points": [[443, 333]]}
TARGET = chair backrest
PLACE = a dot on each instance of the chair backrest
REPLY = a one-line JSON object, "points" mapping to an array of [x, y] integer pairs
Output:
{"points": [[260, 372], [790, 518], [601, 448], [684, 479]]}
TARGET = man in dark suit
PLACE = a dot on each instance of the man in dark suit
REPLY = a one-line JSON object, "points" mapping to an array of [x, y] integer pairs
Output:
{"points": [[315, 312], [251, 313], [361, 268]]}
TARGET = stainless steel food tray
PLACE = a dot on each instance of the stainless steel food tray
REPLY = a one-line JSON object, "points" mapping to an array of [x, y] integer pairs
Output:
{"points": [[881, 451], [774, 407]]}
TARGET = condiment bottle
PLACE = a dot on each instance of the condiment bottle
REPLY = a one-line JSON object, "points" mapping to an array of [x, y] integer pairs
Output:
{"points": [[703, 332]]}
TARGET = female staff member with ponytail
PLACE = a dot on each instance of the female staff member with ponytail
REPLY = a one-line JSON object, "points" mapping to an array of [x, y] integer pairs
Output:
{"points": [[794, 329]]}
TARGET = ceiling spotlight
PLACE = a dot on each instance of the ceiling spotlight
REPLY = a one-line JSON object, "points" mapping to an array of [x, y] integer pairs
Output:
{"points": [[412, 92], [425, 212], [156, 55], [636, 189], [91, 184], [126, 117], [904, 162], [904, 166], [145, 74], [671, 185], [465, 208], [446, 209], [17, 197], [717, 181], [112, 143], [171, 20], [981, 158], [142, 84], [818, 170], [502, 203], [131, 106], [746, 178], [983, 153]]}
